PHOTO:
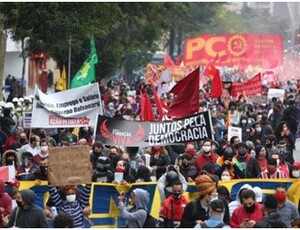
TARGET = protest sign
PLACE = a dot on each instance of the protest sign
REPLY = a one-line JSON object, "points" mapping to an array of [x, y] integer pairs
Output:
{"points": [[278, 93], [234, 131], [257, 99], [27, 120], [69, 165], [70, 108], [131, 133]]}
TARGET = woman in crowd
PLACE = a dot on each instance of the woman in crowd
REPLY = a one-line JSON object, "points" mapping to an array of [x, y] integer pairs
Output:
{"points": [[159, 160]]}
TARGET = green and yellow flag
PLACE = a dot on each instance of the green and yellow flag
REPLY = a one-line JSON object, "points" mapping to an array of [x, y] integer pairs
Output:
{"points": [[61, 84], [86, 74]]}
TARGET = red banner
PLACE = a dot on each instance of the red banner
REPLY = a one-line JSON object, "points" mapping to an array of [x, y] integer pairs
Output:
{"points": [[250, 87], [234, 49]]}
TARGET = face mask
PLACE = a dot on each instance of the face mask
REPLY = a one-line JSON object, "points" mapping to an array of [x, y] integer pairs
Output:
{"points": [[225, 178], [44, 169], [271, 171], [280, 196], [44, 148], [269, 145], [156, 149], [191, 152], [250, 209], [206, 149], [258, 129], [22, 140], [10, 191], [141, 164], [71, 198], [242, 152], [20, 205], [9, 162], [177, 196], [244, 122], [296, 173]]}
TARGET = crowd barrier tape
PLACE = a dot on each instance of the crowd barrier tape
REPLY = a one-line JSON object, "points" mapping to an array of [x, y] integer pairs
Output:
{"points": [[104, 196]]}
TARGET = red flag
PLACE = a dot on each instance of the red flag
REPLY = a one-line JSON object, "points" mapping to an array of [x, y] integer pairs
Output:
{"points": [[178, 60], [159, 104], [211, 71], [187, 101], [146, 108], [216, 86], [168, 62]]}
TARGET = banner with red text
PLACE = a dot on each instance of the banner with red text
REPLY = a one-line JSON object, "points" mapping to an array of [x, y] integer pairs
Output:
{"points": [[264, 50], [69, 108], [250, 87]]}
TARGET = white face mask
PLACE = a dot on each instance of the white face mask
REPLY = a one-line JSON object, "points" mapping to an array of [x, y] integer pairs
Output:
{"points": [[296, 173], [141, 164], [214, 196], [206, 148], [37, 143], [71, 198], [44, 148], [225, 178]]}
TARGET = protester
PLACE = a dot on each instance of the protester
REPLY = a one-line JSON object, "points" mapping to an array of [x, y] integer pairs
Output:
{"points": [[72, 206], [102, 172], [136, 216], [247, 214], [63, 220], [273, 171], [28, 170], [172, 207], [238, 200], [44, 154], [216, 213], [187, 168], [97, 149], [5, 202], [26, 215], [10, 157], [159, 160], [271, 219], [196, 211], [206, 155], [286, 209], [33, 146]]}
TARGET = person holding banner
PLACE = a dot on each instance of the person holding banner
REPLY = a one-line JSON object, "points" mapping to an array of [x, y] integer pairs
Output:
{"points": [[71, 205]]}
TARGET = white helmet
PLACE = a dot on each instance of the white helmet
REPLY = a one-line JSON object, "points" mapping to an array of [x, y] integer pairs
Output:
{"points": [[15, 99], [2, 104], [26, 98], [21, 99], [9, 105]]}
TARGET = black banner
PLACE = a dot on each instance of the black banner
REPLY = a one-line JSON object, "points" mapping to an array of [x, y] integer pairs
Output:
{"points": [[111, 131]]}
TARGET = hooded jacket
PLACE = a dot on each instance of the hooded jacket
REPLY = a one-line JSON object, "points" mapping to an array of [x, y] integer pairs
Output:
{"points": [[273, 220], [28, 216], [136, 216], [234, 204], [5, 201], [10, 152]]}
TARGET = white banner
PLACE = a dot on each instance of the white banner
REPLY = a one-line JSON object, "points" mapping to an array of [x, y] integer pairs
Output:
{"points": [[70, 108], [276, 93], [234, 131]]}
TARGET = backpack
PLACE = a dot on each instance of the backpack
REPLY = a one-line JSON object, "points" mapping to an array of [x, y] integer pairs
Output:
{"points": [[204, 225], [150, 221]]}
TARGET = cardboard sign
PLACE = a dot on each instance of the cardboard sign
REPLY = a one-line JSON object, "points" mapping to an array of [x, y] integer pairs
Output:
{"points": [[27, 120], [69, 165], [257, 99], [234, 131]]}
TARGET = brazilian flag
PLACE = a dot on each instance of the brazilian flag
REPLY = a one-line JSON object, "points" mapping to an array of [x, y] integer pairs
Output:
{"points": [[86, 74]]}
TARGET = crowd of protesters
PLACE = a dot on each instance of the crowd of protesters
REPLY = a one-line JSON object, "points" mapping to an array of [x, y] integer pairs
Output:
{"points": [[265, 150]]}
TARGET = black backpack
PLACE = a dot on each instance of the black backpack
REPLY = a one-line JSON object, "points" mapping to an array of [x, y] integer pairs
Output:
{"points": [[150, 221]]}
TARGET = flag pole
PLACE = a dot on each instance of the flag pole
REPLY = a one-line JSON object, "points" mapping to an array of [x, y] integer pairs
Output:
{"points": [[69, 63]]}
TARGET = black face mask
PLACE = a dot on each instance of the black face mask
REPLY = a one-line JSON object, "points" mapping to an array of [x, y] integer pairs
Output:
{"points": [[177, 195], [9, 162], [242, 152], [185, 165], [44, 170], [250, 209], [20, 205], [269, 145], [22, 140]]}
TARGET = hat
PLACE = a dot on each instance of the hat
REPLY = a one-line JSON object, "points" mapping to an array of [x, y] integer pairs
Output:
{"points": [[204, 184], [21, 99], [13, 182], [217, 205], [15, 99], [296, 165], [258, 193]]}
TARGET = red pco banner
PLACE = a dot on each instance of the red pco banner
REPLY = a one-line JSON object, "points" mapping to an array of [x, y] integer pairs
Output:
{"points": [[247, 88], [234, 49]]}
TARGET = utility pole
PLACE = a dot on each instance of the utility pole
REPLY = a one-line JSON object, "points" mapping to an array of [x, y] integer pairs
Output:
{"points": [[69, 63]]}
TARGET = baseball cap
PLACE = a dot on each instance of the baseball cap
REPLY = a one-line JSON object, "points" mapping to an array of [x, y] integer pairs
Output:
{"points": [[13, 182], [217, 205]]}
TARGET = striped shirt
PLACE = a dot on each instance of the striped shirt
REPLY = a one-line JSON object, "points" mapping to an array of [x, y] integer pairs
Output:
{"points": [[277, 175], [76, 209]]}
